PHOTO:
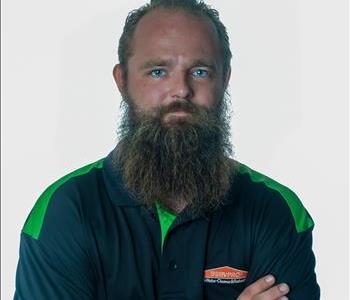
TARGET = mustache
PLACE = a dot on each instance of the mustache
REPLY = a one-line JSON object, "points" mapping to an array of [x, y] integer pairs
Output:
{"points": [[178, 105]]}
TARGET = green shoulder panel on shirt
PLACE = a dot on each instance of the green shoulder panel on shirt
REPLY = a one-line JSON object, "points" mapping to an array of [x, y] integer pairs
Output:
{"points": [[36, 217], [302, 219]]}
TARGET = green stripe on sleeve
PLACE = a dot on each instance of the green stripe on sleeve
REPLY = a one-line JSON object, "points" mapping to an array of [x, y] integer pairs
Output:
{"points": [[36, 217], [302, 219]]}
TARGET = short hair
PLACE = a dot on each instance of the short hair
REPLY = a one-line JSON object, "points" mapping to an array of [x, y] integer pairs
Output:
{"points": [[194, 7]]}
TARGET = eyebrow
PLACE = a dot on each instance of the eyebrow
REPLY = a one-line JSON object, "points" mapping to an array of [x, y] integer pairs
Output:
{"points": [[204, 63], [155, 62], [167, 62]]}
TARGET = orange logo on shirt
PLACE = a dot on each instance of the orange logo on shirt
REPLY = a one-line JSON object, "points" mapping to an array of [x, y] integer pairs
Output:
{"points": [[225, 275]]}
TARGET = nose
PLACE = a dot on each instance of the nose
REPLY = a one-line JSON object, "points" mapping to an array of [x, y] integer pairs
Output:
{"points": [[180, 87]]}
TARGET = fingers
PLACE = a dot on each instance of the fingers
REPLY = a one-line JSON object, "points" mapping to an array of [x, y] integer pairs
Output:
{"points": [[263, 289], [275, 292], [257, 287]]}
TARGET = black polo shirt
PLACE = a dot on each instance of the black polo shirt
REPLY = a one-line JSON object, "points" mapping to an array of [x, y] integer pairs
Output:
{"points": [[87, 238]]}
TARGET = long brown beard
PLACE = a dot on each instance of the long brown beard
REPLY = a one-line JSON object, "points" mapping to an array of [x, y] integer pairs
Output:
{"points": [[183, 161]]}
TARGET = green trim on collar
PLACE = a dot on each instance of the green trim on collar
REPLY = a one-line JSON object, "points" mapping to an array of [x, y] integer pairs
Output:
{"points": [[166, 218], [302, 219], [36, 217]]}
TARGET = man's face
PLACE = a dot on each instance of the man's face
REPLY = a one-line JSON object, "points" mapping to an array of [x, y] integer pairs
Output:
{"points": [[174, 133], [175, 58]]}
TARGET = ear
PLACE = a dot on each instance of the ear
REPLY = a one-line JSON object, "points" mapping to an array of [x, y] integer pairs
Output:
{"points": [[119, 77], [227, 78]]}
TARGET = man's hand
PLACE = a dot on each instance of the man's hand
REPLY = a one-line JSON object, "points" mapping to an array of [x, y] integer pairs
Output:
{"points": [[264, 289]]}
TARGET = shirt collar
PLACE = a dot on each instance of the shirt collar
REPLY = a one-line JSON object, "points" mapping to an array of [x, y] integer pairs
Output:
{"points": [[114, 183]]}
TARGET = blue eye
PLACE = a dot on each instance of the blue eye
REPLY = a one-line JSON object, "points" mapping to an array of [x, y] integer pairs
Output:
{"points": [[158, 73], [200, 73]]}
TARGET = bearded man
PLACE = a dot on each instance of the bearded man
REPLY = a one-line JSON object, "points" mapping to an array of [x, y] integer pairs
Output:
{"points": [[168, 214]]}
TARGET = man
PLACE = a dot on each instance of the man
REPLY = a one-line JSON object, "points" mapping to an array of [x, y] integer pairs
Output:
{"points": [[167, 214]]}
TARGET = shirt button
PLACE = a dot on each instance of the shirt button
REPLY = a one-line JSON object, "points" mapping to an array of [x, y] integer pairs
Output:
{"points": [[173, 265]]}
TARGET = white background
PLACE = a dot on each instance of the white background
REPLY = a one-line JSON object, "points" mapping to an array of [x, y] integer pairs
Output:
{"points": [[289, 94]]}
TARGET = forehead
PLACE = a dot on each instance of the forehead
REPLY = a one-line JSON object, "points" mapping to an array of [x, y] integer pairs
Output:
{"points": [[166, 32]]}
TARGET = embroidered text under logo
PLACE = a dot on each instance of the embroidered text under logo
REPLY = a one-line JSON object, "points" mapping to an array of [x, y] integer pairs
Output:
{"points": [[225, 275]]}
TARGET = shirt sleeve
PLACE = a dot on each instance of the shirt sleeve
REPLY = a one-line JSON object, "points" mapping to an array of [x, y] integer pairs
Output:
{"points": [[283, 251], [54, 262]]}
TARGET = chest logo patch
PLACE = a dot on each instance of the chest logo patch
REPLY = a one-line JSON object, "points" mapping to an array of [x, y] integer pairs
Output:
{"points": [[225, 275]]}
